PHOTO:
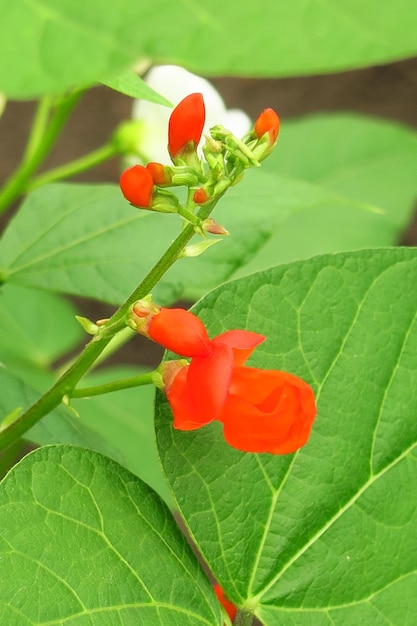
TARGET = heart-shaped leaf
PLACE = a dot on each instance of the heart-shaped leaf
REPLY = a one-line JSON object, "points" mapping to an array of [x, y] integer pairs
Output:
{"points": [[83, 541], [326, 535]]}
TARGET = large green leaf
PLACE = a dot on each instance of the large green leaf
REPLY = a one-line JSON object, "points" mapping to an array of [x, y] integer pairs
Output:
{"points": [[59, 426], [364, 159], [126, 419], [54, 44], [37, 328], [367, 159], [84, 542], [325, 536], [86, 240]]}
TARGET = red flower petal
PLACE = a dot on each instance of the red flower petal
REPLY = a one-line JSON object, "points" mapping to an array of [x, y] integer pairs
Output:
{"points": [[242, 342], [267, 411], [180, 401], [208, 382], [180, 331], [186, 124], [136, 184], [197, 392]]}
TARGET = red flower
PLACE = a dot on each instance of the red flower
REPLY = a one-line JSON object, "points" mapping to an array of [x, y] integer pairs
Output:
{"points": [[231, 610], [199, 391], [261, 410], [267, 122], [137, 186], [186, 125]]}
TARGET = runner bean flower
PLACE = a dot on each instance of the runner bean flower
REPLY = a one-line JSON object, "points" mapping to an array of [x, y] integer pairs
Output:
{"points": [[261, 410]]}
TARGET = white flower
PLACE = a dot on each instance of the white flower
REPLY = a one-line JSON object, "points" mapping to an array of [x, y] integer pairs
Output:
{"points": [[2, 104], [175, 83]]}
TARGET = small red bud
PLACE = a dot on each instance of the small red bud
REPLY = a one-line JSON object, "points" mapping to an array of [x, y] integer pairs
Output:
{"points": [[186, 124], [267, 122], [200, 196], [159, 174], [137, 185]]}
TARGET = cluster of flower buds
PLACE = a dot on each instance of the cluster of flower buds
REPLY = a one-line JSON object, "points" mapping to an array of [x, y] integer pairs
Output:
{"points": [[225, 159], [261, 410]]}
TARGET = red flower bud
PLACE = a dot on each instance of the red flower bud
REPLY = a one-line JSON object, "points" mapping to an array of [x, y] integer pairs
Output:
{"points": [[267, 122], [231, 610], [200, 196], [137, 186], [186, 125], [159, 173]]}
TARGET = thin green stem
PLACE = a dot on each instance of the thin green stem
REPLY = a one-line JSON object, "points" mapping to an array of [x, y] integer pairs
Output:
{"points": [[65, 385], [75, 167], [39, 125], [117, 385], [243, 618], [41, 140]]}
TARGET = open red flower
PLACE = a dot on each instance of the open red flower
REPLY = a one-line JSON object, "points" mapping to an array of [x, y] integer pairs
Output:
{"points": [[137, 186], [186, 125], [261, 410]]}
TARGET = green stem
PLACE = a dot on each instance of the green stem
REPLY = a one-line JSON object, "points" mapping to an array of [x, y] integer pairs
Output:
{"points": [[117, 385], [69, 379], [75, 167], [41, 140], [243, 618]]}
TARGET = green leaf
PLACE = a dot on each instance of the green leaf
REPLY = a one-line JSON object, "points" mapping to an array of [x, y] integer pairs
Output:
{"points": [[125, 418], [86, 240], [59, 426], [325, 536], [37, 328], [129, 83], [54, 44], [358, 158], [367, 159], [84, 542]]}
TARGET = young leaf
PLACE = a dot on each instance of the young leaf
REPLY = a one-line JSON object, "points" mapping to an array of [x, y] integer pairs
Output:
{"points": [[83, 541], [130, 84], [325, 536]]}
